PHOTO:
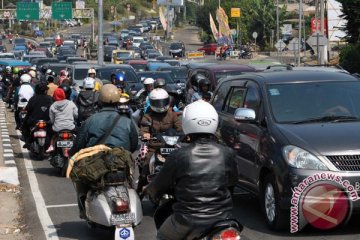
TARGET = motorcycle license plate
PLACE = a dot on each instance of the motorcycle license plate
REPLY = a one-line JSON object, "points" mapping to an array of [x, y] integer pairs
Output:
{"points": [[40, 134], [122, 218], [165, 151], [64, 144]]}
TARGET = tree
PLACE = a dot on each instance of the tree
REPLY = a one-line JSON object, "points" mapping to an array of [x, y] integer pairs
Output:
{"points": [[351, 12], [256, 16]]}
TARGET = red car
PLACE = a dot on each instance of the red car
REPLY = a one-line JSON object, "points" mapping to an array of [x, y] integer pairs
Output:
{"points": [[209, 48]]}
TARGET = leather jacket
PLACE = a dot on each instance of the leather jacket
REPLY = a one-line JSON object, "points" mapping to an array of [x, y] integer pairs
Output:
{"points": [[200, 175]]}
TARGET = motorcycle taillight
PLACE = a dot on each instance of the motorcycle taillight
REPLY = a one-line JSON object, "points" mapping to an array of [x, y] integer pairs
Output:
{"points": [[41, 124], [227, 234], [65, 135], [121, 205]]}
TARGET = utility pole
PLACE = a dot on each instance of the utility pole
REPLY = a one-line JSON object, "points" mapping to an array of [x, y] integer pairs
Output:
{"points": [[100, 32]]}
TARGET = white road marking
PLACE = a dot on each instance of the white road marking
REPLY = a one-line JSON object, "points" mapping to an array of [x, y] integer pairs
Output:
{"points": [[45, 220], [62, 205]]}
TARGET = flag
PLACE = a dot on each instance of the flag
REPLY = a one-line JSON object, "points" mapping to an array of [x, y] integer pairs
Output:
{"points": [[223, 21], [162, 18], [213, 28]]}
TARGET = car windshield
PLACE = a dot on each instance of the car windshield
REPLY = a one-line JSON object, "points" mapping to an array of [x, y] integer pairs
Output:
{"points": [[314, 102], [123, 54], [178, 72], [175, 46], [219, 75], [105, 74], [139, 67], [156, 76]]}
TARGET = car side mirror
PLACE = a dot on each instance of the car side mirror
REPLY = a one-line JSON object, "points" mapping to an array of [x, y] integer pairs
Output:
{"points": [[244, 114]]}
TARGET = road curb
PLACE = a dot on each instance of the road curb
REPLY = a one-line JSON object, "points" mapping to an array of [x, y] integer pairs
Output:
{"points": [[8, 171]]}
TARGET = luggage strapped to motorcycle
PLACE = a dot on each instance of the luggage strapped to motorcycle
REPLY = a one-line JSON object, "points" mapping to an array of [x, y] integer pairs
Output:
{"points": [[105, 166]]}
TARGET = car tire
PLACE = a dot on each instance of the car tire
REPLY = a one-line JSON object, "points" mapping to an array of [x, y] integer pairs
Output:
{"points": [[276, 218]]}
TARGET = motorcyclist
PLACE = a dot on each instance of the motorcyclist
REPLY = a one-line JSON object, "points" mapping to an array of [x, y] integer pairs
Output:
{"points": [[51, 85], [200, 173], [37, 109], [124, 133], [22, 96], [143, 94], [161, 83], [203, 91], [7, 79], [87, 100], [43, 71], [63, 75], [194, 86], [118, 79], [63, 114], [33, 74], [161, 119], [98, 82]]}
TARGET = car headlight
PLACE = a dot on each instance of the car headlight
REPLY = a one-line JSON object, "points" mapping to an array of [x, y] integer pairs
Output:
{"points": [[299, 158]]}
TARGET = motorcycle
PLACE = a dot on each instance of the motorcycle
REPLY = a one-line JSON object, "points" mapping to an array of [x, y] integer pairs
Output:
{"points": [[229, 229], [22, 111], [38, 141], [117, 205], [245, 54], [60, 156]]}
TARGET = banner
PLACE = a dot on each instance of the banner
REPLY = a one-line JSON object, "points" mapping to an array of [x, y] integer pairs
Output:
{"points": [[162, 18], [213, 28], [223, 21]]}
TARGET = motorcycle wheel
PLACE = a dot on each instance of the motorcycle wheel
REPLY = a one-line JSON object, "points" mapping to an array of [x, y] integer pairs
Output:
{"points": [[64, 168], [41, 155]]}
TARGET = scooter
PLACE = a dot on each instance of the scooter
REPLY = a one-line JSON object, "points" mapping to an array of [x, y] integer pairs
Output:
{"points": [[38, 141], [60, 156], [117, 205]]}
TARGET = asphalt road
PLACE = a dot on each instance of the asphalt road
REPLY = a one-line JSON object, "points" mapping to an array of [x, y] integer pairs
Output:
{"points": [[51, 210]]}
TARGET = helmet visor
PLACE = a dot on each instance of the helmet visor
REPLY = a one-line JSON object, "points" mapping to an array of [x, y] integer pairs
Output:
{"points": [[160, 105]]}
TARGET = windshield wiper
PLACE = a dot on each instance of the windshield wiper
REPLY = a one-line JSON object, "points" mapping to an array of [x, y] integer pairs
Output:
{"points": [[331, 118]]}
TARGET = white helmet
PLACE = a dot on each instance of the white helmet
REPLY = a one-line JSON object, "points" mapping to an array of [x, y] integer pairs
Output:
{"points": [[89, 83], [92, 70], [159, 100], [48, 72], [32, 73], [25, 78], [8, 68], [148, 81], [199, 117]]}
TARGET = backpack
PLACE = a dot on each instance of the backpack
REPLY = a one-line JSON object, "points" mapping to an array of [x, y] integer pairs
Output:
{"points": [[85, 111]]}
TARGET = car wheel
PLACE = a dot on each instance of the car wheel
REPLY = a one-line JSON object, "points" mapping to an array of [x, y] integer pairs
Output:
{"points": [[276, 218]]}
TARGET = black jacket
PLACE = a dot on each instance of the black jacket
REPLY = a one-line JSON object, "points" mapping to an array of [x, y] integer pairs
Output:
{"points": [[38, 109], [124, 134], [201, 174]]}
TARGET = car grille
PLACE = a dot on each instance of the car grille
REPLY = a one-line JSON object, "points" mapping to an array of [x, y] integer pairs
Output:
{"points": [[346, 162]]}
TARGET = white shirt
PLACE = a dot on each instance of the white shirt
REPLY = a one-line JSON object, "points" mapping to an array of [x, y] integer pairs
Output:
{"points": [[25, 91]]}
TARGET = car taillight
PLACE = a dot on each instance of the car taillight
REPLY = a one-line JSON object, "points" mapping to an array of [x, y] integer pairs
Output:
{"points": [[41, 125], [227, 234], [65, 135], [121, 205]]}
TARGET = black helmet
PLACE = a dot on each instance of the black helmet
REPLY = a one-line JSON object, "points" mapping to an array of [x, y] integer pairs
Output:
{"points": [[195, 79], [22, 71], [204, 82], [67, 90], [160, 83], [41, 88]]}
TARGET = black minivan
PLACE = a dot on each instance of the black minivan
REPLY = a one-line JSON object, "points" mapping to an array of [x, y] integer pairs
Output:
{"points": [[286, 126]]}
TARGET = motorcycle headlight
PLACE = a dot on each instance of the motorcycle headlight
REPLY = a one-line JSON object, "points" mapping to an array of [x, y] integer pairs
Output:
{"points": [[299, 158], [171, 140]]}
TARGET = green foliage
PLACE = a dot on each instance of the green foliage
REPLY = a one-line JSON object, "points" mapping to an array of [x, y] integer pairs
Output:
{"points": [[351, 12], [349, 58], [256, 16]]}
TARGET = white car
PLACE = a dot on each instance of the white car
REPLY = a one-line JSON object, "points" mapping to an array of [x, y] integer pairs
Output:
{"points": [[141, 27], [137, 41]]}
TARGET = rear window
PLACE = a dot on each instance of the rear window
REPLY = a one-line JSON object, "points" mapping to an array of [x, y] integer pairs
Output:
{"points": [[219, 75], [80, 73], [156, 76], [139, 67]]}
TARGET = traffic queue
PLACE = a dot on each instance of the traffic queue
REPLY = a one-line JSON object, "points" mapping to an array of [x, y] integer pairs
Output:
{"points": [[198, 130]]}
